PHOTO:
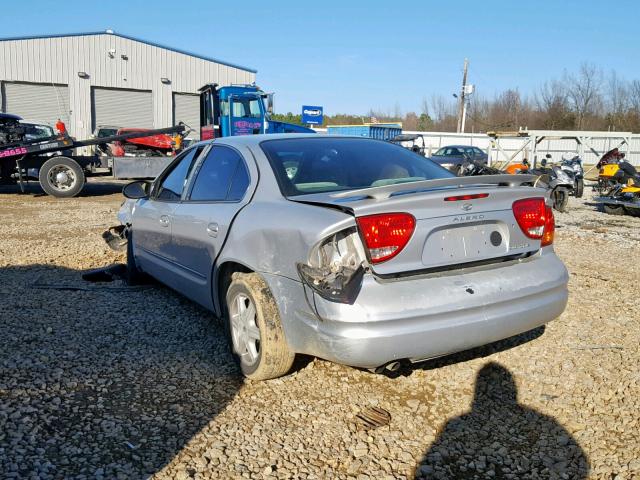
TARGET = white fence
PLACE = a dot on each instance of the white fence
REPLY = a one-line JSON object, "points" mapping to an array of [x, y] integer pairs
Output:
{"points": [[555, 147]]}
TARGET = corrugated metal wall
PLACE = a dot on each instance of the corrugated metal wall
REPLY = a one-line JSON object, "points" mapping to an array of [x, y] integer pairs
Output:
{"points": [[110, 61], [186, 109], [37, 102], [108, 111]]}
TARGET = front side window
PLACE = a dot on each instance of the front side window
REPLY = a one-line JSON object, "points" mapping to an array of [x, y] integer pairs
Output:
{"points": [[223, 176], [173, 184], [310, 165]]}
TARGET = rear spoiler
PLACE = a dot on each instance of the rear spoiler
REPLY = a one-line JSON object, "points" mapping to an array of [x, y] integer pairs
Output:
{"points": [[380, 193]]}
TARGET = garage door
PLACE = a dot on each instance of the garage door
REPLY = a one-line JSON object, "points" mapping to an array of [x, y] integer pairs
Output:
{"points": [[186, 108], [36, 102], [122, 108]]}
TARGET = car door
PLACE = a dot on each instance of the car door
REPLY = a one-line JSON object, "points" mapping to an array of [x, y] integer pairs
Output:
{"points": [[219, 190], [151, 217]]}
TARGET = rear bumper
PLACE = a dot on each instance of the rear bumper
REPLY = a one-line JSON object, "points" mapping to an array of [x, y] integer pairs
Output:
{"points": [[421, 318]]}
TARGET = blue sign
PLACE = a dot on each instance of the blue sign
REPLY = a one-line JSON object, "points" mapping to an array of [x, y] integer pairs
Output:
{"points": [[311, 115]]}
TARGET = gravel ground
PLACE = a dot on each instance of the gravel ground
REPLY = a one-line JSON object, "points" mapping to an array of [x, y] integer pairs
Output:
{"points": [[104, 381]]}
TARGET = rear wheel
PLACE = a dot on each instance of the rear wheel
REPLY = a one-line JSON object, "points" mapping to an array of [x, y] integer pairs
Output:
{"points": [[579, 188], [61, 177], [255, 329]]}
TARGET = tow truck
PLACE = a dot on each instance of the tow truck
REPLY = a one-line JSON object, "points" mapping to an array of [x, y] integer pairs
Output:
{"points": [[224, 111]]}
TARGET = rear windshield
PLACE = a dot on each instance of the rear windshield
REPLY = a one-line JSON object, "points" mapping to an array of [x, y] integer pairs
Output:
{"points": [[329, 164]]}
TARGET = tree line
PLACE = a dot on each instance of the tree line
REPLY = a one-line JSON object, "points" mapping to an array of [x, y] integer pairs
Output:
{"points": [[587, 99]]}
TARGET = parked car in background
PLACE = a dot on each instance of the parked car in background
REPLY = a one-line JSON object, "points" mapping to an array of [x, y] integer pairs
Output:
{"points": [[350, 249], [452, 157], [103, 131]]}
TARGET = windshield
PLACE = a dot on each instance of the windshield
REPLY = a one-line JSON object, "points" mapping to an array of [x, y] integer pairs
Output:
{"points": [[311, 165], [243, 107], [33, 131]]}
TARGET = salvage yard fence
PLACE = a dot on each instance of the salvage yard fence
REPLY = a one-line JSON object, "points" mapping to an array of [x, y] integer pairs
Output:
{"points": [[512, 146]]}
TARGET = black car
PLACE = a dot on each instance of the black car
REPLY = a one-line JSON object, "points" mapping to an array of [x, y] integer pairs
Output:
{"points": [[452, 157]]}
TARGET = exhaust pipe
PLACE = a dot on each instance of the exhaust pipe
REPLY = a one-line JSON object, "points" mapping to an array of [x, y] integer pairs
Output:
{"points": [[393, 366]]}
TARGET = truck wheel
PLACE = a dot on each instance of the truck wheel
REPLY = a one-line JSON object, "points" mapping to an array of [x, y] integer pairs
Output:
{"points": [[255, 331], [579, 188], [61, 177]]}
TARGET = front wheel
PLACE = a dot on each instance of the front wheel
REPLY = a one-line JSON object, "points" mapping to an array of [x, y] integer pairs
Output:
{"points": [[560, 198], [255, 329], [61, 177], [134, 274]]}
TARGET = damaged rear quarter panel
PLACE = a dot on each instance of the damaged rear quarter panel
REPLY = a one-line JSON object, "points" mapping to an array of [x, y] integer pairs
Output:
{"points": [[272, 236]]}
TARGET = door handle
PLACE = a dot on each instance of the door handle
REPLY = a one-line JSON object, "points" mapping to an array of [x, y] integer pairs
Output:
{"points": [[164, 220], [213, 229]]}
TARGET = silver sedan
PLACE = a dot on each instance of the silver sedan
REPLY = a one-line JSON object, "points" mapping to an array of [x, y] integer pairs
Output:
{"points": [[350, 249]]}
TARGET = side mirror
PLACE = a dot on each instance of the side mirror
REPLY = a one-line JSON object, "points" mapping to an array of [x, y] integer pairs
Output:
{"points": [[136, 190], [270, 103]]}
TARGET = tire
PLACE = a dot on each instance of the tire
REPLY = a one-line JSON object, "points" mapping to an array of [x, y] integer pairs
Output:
{"points": [[267, 356], [579, 191], [560, 198], [613, 209], [134, 275], [61, 177]]}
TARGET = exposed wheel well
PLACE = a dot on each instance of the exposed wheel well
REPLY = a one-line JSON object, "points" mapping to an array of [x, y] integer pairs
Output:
{"points": [[225, 272]]}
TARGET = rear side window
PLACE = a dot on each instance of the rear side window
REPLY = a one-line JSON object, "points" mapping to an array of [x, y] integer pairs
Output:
{"points": [[173, 184], [329, 164], [223, 176]]}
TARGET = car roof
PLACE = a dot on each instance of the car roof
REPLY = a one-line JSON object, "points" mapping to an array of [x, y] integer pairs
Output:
{"points": [[459, 146], [255, 140], [9, 116]]}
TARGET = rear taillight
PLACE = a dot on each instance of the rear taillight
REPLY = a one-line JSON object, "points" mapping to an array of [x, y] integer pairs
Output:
{"points": [[549, 227], [535, 219], [386, 234], [472, 196]]}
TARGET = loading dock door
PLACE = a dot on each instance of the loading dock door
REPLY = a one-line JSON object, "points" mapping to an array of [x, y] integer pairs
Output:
{"points": [[186, 108], [122, 108], [36, 102]]}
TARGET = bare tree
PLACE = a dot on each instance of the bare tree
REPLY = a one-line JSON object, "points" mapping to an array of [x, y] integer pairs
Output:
{"points": [[553, 106], [634, 96], [618, 102], [583, 91]]}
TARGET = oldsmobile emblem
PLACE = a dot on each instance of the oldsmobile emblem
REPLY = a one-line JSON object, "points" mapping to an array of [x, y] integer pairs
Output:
{"points": [[467, 207]]}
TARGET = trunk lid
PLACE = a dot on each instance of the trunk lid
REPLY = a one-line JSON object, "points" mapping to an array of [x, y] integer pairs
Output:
{"points": [[447, 233]]}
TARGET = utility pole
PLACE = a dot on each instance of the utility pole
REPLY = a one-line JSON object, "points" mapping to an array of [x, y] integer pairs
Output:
{"points": [[462, 105]]}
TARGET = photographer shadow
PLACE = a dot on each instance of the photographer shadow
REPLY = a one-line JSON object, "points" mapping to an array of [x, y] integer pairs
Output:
{"points": [[501, 438]]}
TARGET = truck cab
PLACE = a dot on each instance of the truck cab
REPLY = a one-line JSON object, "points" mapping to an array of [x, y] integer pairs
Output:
{"points": [[238, 110]]}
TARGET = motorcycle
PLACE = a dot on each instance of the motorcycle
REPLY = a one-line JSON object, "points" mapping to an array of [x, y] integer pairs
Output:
{"points": [[618, 185], [559, 182], [572, 166], [471, 167]]}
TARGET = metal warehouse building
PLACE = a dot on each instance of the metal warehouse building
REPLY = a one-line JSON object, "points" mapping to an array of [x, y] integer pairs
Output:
{"points": [[104, 78]]}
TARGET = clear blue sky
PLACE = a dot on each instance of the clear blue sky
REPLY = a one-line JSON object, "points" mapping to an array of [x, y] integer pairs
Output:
{"points": [[350, 56]]}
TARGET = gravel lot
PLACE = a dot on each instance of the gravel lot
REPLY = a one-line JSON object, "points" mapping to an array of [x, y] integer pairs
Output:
{"points": [[104, 381]]}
